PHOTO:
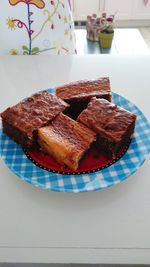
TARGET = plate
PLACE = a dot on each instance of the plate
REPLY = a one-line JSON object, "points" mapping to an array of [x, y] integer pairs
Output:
{"points": [[20, 164]]}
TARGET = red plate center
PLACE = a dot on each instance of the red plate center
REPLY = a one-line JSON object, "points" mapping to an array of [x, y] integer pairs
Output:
{"points": [[93, 161]]}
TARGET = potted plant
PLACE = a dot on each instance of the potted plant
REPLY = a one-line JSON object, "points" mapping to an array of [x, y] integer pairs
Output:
{"points": [[107, 30]]}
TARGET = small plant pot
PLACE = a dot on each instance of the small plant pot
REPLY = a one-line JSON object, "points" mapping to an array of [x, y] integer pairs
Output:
{"points": [[105, 39]]}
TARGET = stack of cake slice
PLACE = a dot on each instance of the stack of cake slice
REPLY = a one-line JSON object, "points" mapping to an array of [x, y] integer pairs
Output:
{"points": [[40, 120]]}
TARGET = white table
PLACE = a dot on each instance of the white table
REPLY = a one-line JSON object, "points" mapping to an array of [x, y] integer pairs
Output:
{"points": [[109, 226]]}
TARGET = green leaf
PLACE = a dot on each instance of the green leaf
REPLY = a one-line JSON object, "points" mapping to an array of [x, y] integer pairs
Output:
{"points": [[24, 47], [35, 50], [25, 53]]}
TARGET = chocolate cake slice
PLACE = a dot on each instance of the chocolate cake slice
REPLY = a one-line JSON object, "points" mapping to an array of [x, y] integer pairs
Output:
{"points": [[66, 140], [79, 93], [114, 125], [21, 121]]}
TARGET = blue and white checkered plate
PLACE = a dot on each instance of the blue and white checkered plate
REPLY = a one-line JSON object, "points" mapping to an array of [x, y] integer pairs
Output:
{"points": [[139, 148]]}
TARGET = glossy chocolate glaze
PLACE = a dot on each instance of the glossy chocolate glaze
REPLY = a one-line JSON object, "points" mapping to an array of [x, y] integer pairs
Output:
{"points": [[31, 114], [74, 132], [107, 118], [85, 89]]}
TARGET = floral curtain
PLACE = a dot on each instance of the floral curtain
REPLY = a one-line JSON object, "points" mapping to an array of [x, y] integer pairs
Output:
{"points": [[32, 27]]}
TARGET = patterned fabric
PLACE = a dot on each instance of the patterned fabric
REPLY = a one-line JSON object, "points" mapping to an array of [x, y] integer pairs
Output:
{"points": [[31, 27], [135, 156]]}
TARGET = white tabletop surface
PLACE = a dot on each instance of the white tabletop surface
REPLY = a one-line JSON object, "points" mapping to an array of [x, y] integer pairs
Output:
{"points": [[108, 226]]}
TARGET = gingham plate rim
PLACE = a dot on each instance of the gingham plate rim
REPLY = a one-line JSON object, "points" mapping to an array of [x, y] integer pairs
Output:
{"points": [[101, 183]]}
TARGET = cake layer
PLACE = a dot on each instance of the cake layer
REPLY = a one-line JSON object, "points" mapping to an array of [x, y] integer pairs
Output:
{"points": [[21, 121], [114, 125], [66, 140], [85, 89]]}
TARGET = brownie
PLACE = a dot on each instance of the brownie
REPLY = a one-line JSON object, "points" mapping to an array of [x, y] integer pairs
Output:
{"points": [[66, 140], [79, 93], [114, 125], [20, 122]]}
